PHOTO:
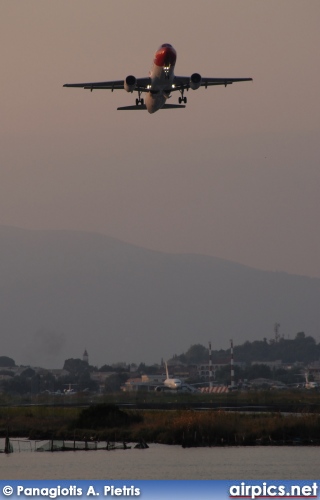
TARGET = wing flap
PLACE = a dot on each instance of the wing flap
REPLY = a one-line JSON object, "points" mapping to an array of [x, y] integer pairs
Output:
{"points": [[183, 82], [117, 84], [142, 84], [206, 82]]}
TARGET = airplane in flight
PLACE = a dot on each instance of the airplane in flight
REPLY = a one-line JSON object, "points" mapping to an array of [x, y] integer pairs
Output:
{"points": [[160, 83]]}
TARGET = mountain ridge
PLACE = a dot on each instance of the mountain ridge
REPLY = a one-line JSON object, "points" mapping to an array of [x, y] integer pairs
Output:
{"points": [[63, 291]]}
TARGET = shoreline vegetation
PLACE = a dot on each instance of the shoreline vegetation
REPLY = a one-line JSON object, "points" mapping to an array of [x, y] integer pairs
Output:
{"points": [[224, 425]]}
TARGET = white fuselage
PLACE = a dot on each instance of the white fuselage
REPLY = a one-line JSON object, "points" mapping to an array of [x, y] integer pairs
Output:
{"points": [[161, 81], [311, 385], [161, 76], [172, 383]]}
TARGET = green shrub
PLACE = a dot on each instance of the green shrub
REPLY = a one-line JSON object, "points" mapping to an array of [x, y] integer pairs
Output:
{"points": [[105, 416]]}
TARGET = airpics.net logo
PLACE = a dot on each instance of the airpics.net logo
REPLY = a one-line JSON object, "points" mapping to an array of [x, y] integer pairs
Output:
{"points": [[266, 490]]}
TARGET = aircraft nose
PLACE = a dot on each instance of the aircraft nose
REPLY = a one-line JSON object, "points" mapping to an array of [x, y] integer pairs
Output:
{"points": [[165, 56]]}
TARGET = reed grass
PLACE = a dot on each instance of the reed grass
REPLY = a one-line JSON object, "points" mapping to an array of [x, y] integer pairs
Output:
{"points": [[185, 427]]}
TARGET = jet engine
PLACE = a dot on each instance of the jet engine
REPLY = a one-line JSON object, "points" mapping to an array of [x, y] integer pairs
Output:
{"points": [[195, 81], [130, 83]]}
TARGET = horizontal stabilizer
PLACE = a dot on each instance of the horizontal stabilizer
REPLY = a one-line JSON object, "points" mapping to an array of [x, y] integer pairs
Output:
{"points": [[172, 106], [136, 108], [144, 107]]}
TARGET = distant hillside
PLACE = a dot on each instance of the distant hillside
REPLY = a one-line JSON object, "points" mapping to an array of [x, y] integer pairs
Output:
{"points": [[64, 291]]}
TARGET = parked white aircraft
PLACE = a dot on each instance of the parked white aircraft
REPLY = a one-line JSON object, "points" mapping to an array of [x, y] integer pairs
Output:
{"points": [[308, 384], [169, 383], [69, 391], [160, 83], [172, 383]]}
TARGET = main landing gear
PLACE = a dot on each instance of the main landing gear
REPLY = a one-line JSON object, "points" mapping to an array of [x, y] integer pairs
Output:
{"points": [[182, 99], [139, 101]]}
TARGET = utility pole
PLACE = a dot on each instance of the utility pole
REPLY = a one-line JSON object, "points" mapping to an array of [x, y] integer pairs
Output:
{"points": [[276, 332], [232, 365], [210, 365]]}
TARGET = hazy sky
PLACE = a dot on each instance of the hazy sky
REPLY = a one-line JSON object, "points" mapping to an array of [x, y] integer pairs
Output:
{"points": [[235, 175]]}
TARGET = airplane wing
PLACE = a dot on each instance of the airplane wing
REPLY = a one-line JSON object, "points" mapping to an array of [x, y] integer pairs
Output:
{"points": [[183, 82], [141, 85]]}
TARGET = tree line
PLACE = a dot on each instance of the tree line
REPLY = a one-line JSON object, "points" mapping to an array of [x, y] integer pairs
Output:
{"points": [[301, 349]]}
